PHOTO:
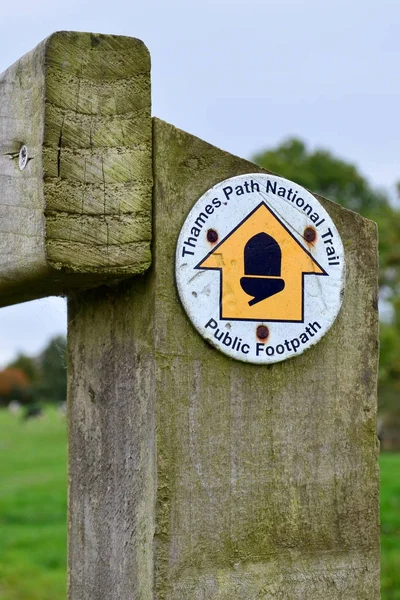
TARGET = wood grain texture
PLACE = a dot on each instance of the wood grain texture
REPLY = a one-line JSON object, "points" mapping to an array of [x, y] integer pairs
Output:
{"points": [[196, 476], [79, 214], [111, 443], [267, 476]]}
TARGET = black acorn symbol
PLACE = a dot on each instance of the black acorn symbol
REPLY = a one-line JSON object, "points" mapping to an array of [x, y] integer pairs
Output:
{"points": [[262, 268]]}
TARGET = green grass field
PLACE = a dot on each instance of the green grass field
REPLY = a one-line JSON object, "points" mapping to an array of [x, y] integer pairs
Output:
{"points": [[33, 509], [390, 526]]}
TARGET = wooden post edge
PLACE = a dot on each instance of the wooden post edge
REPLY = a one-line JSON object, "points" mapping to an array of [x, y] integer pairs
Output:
{"points": [[75, 165]]}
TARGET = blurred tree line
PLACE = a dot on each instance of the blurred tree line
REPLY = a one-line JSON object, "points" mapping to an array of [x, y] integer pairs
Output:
{"points": [[36, 379], [322, 172]]}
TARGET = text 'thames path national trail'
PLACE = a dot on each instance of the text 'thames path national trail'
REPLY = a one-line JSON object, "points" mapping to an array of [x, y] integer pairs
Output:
{"points": [[260, 268]]}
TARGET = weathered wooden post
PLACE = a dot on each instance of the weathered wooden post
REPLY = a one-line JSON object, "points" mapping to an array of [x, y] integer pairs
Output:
{"points": [[192, 475]]}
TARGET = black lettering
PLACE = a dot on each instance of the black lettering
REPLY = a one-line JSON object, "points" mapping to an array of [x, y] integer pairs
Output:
{"points": [[308, 209], [259, 348], [329, 232], [209, 209], [195, 231], [295, 344], [254, 186], [271, 187], [227, 191], [227, 341], [315, 325], [239, 190], [282, 192], [201, 219], [217, 203]]}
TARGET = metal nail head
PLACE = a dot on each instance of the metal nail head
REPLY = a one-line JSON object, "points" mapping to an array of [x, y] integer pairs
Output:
{"points": [[23, 157]]}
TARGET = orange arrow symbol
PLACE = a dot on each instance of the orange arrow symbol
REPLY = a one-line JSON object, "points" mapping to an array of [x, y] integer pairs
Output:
{"points": [[262, 268]]}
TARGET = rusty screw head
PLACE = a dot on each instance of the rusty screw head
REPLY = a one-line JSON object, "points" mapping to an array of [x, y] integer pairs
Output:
{"points": [[262, 332], [310, 234], [212, 236], [23, 157]]}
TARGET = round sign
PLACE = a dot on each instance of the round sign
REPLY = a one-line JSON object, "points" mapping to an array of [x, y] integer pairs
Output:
{"points": [[260, 268]]}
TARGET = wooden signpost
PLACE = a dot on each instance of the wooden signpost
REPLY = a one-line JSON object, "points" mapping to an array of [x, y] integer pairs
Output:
{"points": [[192, 475]]}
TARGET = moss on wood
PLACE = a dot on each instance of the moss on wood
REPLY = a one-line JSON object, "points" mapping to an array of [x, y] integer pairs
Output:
{"points": [[79, 214]]}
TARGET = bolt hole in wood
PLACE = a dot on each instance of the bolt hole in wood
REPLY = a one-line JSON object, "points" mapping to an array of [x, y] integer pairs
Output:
{"points": [[262, 333], [310, 235], [212, 236], [23, 157]]}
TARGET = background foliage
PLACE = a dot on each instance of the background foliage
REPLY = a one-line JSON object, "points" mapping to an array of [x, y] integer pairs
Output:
{"points": [[37, 379]]}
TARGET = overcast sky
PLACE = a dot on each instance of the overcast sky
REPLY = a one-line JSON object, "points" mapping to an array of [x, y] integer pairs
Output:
{"points": [[242, 75]]}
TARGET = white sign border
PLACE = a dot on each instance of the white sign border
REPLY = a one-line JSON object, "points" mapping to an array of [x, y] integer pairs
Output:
{"points": [[199, 290]]}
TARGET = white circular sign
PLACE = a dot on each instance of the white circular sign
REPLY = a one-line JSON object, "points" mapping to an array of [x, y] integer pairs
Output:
{"points": [[260, 268]]}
